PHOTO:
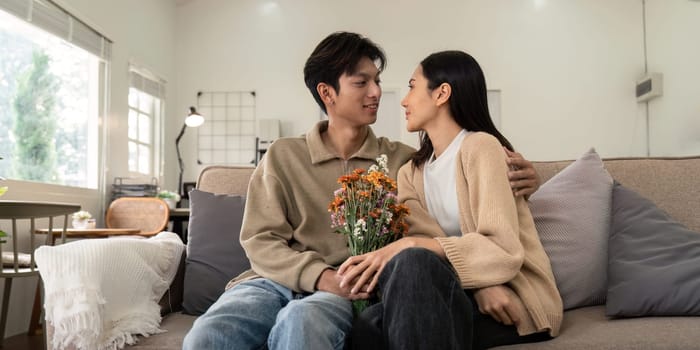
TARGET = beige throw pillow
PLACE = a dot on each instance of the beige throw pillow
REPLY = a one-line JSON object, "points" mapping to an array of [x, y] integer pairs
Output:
{"points": [[572, 216]]}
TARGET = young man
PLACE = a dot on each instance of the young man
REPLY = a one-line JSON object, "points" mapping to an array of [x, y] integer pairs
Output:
{"points": [[291, 298]]}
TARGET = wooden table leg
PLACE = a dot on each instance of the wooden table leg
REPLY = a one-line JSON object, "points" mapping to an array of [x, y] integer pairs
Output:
{"points": [[34, 322], [5, 305]]}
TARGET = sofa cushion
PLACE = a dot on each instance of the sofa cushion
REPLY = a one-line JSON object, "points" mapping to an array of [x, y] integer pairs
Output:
{"points": [[587, 328], [654, 261], [23, 259], [177, 325], [214, 253], [572, 216], [172, 299]]}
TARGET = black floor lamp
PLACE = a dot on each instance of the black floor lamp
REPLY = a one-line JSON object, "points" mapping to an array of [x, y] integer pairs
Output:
{"points": [[193, 120]]}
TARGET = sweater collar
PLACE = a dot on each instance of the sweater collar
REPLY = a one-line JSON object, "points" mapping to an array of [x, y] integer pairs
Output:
{"points": [[321, 152]]}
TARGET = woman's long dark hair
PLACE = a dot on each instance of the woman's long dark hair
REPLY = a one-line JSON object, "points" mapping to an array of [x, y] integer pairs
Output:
{"points": [[468, 103]]}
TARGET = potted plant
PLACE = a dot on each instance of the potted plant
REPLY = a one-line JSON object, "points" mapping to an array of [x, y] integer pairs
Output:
{"points": [[169, 197], [2, 233], [3, 189], [81, 219]]}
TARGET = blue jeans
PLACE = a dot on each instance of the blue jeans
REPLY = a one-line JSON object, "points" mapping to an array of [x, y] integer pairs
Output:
{"points": [[262, 314]]}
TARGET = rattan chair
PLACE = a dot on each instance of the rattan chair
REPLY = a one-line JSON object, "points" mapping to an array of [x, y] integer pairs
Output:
{"points": [[149, 214]]}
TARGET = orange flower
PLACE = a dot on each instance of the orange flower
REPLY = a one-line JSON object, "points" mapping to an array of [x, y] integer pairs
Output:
{"points": [[375, 213], [335, 204]]}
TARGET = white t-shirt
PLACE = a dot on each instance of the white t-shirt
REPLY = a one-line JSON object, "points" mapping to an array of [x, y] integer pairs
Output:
{"points": [[440, 186]]}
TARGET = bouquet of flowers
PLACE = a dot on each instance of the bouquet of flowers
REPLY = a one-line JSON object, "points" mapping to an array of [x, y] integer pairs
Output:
{"points": [[365, 209]]}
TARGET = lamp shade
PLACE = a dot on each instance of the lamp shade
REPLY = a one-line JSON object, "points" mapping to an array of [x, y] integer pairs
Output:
{"points": [[194, 119]]}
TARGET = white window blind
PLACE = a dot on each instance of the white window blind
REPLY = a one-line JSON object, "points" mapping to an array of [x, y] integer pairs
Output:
{"points": [[142, 80], [48, 16]]}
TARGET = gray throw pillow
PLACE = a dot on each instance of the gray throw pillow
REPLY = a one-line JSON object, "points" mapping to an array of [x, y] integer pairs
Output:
{"points": [[572, 216], [214, 253], [654, 261]]}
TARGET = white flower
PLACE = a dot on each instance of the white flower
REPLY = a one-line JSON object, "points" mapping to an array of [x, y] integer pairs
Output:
{"points": [[82, 215], [360, 228], [389, 216], [382, 162]]}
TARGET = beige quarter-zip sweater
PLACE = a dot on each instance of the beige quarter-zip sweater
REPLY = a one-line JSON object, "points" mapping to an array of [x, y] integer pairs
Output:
{"points": [[286, 231], [499, 243]]}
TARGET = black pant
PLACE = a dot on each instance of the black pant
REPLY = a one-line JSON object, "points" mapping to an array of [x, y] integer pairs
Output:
{"points": [[423, 306]]}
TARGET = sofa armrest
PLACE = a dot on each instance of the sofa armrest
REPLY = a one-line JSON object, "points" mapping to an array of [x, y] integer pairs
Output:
{"points": [[172, 299]]}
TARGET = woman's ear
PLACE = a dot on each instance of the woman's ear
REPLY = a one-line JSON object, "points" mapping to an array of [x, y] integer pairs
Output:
{"points": [[444, 91], [326, 92]]}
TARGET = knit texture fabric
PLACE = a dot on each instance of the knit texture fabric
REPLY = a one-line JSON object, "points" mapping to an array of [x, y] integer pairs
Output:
{"points": [[102, 292]]}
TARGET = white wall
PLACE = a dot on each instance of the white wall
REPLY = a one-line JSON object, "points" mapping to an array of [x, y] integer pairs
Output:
{"points": [[566, 69], [143, 32], [673, 33]]}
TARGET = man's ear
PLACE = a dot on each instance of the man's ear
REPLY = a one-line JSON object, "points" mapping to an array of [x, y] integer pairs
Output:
{"points": [[327, 93], [444, 91]]}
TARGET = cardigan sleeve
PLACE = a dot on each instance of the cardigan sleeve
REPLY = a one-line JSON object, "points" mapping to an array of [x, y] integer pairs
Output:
{"points": [[489, 251]]}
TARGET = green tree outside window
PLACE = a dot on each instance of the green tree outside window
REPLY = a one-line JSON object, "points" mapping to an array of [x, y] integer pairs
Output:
{"points": [[35, 122]]}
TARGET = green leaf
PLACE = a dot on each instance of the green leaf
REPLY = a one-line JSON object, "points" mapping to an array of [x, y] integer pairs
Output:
{"points": [[2, 191]]}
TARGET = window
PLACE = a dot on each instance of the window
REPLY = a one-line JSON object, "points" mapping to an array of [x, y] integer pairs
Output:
{"points": [[52, 75], [145, 107]]}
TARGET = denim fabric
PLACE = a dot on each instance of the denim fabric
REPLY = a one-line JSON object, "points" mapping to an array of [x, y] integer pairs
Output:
{"points": [[261, 314], [424, 307]]}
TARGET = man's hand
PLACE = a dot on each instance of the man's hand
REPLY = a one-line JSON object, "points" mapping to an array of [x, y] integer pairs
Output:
{"points": [[362, 272], [497, 302], [329, 281], [523, 177]]}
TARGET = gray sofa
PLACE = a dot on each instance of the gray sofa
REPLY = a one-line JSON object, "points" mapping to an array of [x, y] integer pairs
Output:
{"points": [[670, 182]]}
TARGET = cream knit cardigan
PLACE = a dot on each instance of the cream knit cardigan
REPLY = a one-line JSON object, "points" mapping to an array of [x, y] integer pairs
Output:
{"points": [[499, 242]]}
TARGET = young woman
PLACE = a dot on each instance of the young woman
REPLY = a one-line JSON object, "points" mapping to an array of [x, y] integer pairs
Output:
{"points": [[472, 274]]}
